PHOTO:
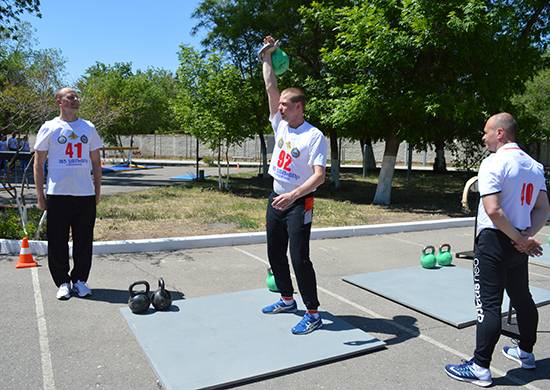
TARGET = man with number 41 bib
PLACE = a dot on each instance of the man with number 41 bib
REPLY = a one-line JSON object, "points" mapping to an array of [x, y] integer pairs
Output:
{"points": [[298, 168], [513, 208], [71, 146]]}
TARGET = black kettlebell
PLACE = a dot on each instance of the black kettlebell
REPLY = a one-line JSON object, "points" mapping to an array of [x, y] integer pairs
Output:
{"points": [[139, 300], [161, 298]]}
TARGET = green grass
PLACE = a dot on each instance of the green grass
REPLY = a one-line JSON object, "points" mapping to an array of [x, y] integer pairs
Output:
{"points": [[199, 208]]}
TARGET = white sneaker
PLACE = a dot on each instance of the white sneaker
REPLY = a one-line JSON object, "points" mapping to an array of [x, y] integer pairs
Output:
{"points": [[64, 292], [81, 289]]}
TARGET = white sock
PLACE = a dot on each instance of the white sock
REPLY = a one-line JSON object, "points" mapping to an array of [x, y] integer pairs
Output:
{"points": [[481, 371], [288, 301]]}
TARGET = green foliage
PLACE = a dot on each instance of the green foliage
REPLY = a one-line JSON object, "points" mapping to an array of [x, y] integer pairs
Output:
{"points": [[28, 80], [121, 102], [10, 12], [534, 107], [426, 70], [210, 100], [10, 224]]}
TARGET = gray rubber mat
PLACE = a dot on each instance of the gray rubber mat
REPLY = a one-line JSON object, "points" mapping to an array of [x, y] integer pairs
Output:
{"points": [[543, 260], [223, 340], [446, 293]]}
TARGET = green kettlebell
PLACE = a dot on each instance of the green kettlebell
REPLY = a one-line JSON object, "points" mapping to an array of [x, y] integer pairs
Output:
{"points": [[270, 281], [444, 257], [428, 260], [549, 239]]}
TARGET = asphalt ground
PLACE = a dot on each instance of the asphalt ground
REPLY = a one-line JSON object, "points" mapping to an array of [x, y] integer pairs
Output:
{"points": [[86, 343]]}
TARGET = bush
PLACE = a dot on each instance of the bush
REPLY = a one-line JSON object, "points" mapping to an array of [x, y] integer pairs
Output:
{"points": [[10, 224]]}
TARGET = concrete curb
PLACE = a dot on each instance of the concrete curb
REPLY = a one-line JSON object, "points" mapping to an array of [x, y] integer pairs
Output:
{"points": [[12, 247]]}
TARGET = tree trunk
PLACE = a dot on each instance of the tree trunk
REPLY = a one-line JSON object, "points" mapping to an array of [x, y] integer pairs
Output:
{"points": [[220, 182], [369, 162], [383, 189], [440, 165], [334, 160], [227, 167], [263, 153]]}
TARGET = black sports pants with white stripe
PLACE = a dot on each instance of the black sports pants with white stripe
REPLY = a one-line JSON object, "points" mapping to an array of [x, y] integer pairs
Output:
{"points": [[498, 266], [76, 213]]}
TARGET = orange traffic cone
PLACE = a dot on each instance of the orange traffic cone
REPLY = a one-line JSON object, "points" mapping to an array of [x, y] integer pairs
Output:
{"points": [[25, 256]]}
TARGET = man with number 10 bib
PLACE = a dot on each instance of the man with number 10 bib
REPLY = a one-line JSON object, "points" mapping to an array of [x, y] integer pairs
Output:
{"points": [[298, 168], [513, 208], [71, 146]]}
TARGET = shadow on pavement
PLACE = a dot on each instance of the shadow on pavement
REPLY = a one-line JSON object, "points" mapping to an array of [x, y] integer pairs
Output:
{"points": [[542, 372], [110, 295], [382, 325]]}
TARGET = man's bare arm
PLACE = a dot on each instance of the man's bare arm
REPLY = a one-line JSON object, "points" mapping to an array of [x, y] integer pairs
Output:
{"points": [[96, 171], [38, 170], [282, 201], [495, 212], [270, 78]]}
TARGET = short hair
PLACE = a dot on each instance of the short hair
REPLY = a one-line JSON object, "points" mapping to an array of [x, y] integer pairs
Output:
{"points": [[62, 92], [507, 122], [296, 95]]}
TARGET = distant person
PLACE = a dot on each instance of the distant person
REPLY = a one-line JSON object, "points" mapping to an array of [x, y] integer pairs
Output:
{"points": [[24, 147], [513, 208], [70, 146], [24, 144], [297, 168], [3, 148], [13, 142]]}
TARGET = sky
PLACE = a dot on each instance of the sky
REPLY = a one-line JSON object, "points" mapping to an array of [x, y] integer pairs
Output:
{"points": [[146, 33]]}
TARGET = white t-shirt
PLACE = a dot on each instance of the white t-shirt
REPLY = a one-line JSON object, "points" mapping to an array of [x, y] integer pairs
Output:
{"points": [[518, 178], [295, 153], [68, 145]]}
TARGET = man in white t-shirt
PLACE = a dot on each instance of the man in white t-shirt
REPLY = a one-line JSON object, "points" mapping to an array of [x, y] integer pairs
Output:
{"points": [[71, 146], [513, 208], [298, 168]]}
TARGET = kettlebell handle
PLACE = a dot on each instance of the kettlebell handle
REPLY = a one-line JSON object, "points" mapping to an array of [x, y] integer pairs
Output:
{"points": [[161, 283], [445, 248], [430, 248], [139, 282]]}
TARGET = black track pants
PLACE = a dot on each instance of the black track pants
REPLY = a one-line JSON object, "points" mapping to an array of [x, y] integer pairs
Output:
{"points": [[292, 228], [76, 213], [498, 266]]}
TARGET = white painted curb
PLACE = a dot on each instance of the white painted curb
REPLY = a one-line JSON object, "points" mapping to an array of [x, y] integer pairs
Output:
{"points": [[12, 247]]}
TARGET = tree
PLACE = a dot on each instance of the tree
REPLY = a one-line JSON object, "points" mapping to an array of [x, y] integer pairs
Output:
{"points": [[121, 102], [236, 29], [429, 72], [209, 103], [10, 10], [28, 80], [534, 108]]}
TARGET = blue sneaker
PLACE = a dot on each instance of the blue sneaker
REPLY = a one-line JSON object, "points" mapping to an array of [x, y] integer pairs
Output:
{"points": [[467, 372], [307, 325], [525, 359], [280, 307]]}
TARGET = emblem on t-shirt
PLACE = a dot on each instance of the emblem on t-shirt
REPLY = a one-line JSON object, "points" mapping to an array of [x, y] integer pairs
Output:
{"points": [[295, 152], [73, 136], [62, 139], [84, 139], [288, 145], [280, 143]]}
